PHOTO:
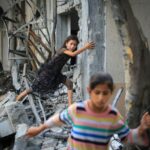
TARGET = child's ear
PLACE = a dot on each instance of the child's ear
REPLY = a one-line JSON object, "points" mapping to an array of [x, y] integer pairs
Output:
{"points": [[88, 89]]}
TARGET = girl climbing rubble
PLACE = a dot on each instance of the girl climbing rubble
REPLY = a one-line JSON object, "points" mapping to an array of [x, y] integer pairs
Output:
{"points": [[50, 76]]}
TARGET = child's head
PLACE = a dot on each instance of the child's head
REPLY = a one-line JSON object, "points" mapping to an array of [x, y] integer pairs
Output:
{"points": [[100, 90], [101, 78], [71, 42]]}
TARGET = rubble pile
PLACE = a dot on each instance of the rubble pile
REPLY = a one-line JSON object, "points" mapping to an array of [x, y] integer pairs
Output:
{"points": [[17, 117]]}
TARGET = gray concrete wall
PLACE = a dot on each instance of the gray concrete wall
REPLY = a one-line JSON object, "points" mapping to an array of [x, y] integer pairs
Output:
{"points": [[141, 10], [0, 46], [63, 29], [114, 48], [83, 36], [4, 40], [5, 61], [92, 25], [114, 56]]}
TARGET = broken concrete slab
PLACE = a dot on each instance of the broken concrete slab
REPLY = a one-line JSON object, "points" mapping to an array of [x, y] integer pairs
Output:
{"points": [[23, 142], [12, 114], [21, 131]]}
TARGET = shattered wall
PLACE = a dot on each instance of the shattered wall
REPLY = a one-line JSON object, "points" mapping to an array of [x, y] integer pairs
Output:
{"points": [[92, 28]]}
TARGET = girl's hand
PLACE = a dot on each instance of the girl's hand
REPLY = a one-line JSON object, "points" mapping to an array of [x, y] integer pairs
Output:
{"points": [[89, 45], [145, 121]]}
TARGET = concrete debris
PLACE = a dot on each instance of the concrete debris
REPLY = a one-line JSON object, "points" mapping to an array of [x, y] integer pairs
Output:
{"points": [[16, 117], [5, 83], [12, 114], [23, 142], [15, 77], [21, 131]]}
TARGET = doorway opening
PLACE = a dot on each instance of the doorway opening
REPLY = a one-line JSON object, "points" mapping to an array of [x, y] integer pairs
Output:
{"points": [[74, 18]]}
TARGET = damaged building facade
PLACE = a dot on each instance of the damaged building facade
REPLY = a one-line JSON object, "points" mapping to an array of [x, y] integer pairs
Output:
{"points": [[32, 31]]}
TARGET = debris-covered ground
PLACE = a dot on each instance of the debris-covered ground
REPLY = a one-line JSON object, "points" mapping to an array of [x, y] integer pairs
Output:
{"points": [[16, 117], [33, 47]]}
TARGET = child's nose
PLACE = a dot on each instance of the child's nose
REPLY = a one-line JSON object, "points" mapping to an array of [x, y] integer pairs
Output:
{"points": [[101, 96]]}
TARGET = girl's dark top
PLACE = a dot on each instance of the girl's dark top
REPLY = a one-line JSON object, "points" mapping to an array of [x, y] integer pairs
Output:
{"points": [[49, 75]]}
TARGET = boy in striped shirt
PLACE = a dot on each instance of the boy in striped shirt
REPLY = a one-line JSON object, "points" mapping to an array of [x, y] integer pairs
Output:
{"points": [[94, 121]]}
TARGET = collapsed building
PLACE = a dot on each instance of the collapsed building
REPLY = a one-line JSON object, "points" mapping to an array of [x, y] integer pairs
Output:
{"points": [[32, 31]]}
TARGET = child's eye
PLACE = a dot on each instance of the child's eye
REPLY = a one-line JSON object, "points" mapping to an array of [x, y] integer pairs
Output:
{"points": [[97, 92], [105, 92]]}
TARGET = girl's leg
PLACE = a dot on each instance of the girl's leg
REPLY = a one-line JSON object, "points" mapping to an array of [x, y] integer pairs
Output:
{"points": [[69, 85], [70, 95], [23, 94]]}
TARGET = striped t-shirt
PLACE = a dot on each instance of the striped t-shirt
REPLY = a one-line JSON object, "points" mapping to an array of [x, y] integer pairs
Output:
{"points": [[92, 131]]}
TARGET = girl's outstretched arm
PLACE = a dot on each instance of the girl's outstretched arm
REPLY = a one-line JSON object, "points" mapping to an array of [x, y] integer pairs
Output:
{"points": [[89, 45], [52, 121]]}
